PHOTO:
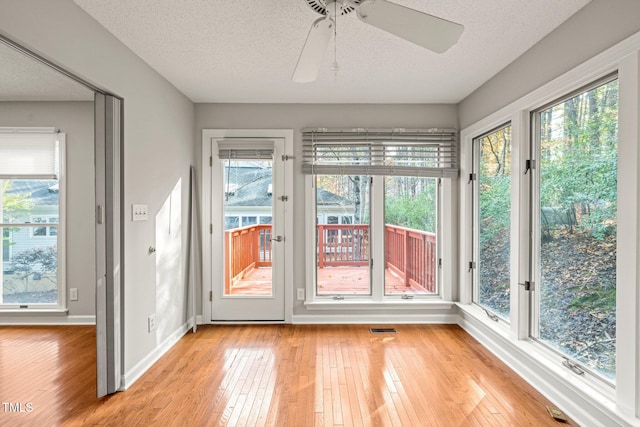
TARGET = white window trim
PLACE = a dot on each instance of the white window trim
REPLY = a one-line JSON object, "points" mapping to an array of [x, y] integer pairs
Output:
{"points": [[587, 401], [61, 242], [446, 250]]}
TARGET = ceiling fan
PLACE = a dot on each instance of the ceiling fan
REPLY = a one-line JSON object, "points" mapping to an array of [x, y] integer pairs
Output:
{"points": [[425, 30]]}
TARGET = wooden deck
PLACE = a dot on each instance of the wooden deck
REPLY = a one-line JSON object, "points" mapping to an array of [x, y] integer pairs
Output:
{"points": [[331, 281]]}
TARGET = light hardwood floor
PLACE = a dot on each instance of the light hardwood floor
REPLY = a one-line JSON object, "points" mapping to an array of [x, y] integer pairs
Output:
{"points": [[275, 375]]}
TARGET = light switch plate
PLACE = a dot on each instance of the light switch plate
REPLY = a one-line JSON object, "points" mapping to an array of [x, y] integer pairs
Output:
{"points": [[139, 212]]}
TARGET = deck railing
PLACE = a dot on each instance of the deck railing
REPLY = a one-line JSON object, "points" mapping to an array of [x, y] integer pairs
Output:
{"points": [[342, 245], [245, 248], [411, 254]]}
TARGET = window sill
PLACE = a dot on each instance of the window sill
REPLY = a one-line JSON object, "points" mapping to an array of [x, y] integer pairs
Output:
{"points": [[35, 311], [351, 304]]}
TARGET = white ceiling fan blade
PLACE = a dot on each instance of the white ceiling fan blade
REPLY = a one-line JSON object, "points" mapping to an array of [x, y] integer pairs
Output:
{"points": [[425, 30], [313, 51]]}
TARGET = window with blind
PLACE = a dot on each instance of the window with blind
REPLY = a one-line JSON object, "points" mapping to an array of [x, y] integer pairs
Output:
{"points": [[31, 218], [428, 153], [376, 198]]}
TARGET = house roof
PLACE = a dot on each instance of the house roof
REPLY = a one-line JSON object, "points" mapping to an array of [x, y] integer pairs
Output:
{"points": [[251, 186], [40, 192]]}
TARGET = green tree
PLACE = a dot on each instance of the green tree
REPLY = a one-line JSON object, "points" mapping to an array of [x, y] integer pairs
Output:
{"points": [[35, 260], [411, 202], [14, 205]]}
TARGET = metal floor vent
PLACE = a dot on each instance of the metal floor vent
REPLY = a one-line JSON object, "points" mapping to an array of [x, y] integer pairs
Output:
{"points": [[383, 330]]}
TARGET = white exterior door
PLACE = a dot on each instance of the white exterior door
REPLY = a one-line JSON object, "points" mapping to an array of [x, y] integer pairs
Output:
{"points": [[244, 260]]}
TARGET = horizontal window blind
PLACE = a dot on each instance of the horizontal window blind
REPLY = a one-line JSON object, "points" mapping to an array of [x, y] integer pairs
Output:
{"points": [[244, 150], [28, 153], [428, 153]]}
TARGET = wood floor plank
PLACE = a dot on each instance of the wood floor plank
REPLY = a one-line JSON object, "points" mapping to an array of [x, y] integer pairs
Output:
{"points": [[272, 375]]}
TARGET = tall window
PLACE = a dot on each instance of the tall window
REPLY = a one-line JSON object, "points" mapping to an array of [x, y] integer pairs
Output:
{"points": [[30, 218], [376, 210], [492, 208], [575, 256]]}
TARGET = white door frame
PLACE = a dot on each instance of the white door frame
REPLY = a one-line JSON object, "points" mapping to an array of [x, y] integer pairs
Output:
{"points": [[206, 211]]}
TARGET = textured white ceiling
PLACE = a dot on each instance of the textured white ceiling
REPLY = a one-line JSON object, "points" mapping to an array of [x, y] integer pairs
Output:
{"points": [[246, 50], [25, 79]]}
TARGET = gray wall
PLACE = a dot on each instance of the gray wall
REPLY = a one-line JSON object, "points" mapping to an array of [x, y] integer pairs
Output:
{"points": [[75, 119], [600, 25], [300, 116], [158, 150]]}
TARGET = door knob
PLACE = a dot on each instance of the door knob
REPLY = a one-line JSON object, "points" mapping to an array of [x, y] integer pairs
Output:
{"points": [[277, 239]]}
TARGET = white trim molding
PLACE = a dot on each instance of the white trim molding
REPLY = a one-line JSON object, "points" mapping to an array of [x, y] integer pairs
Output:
{"points": [[354, 304], [44, 318], [133, 374], [376, 319]]}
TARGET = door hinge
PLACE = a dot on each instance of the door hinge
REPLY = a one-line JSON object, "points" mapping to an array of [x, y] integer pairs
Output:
{"points": [[472, 177], [283, 198], [439, 262], [210, 160], [210, 295], [371, 263], [472, 265], [210, 228], [528, 286], [529, 165]]}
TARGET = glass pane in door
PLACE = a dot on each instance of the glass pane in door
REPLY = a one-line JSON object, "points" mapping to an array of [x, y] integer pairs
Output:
{"points": [[247, 244], [343, 235], [410, 212], [577, 226]]}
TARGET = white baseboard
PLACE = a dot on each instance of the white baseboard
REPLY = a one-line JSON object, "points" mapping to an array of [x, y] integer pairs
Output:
{"points": [[379, 319], [143, 366], [582, 403], [41, 319]]}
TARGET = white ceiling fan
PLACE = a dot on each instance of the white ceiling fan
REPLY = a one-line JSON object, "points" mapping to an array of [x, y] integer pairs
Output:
{"points": [[425, 30]]}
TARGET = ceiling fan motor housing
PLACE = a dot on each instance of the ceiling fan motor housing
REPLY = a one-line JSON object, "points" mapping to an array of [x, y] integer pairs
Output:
{"points": [[320, 6]]}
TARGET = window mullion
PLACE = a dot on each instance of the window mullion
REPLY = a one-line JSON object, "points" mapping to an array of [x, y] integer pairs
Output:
{"points": [[377, 231], [520, 225]]}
